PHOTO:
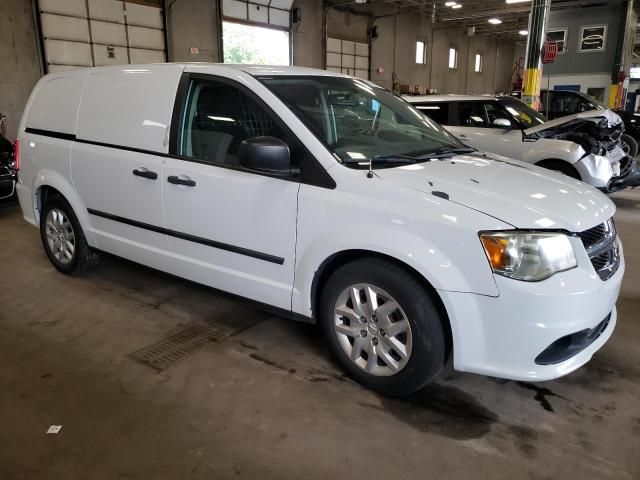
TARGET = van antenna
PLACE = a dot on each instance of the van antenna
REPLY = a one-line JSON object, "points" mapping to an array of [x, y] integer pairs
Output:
{"points": [[370, 172]]}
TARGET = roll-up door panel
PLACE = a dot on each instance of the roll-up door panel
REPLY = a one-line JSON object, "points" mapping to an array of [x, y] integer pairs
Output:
{"points": [[72, 8], [348, 61], [61, 68], [348, 57], [235, 9], [362, 49], [110, 11], [348, 47], [100, 32], [143, 16], [272, 12], [362, 63], [148, 38], [109, 55], [281, 4], [106, 33], [60, 52], [333, 59], [258, 13], [61, 27], [334, 45], [139, 55], [279, 17]]}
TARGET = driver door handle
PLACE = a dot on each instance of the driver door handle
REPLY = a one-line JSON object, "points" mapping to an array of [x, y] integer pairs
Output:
{"points": [[144, 173], [187, 182]]}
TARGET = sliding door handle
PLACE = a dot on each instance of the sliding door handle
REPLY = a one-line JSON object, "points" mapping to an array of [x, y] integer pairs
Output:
{"points": [[144, 173], [186, 181]]}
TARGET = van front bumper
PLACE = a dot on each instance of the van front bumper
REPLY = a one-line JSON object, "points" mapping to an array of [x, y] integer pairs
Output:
{"points": [[534, 331]]}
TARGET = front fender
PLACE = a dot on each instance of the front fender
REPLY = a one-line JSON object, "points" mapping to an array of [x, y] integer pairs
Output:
{"points": [[549, 148], [468, 273]]}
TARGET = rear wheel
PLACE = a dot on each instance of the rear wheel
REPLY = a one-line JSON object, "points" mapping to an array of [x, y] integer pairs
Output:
{"points": [[62, 237], [382, 326]]}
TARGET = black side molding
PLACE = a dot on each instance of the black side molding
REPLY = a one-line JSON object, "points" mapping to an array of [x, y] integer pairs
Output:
{"points": [[51, 133], [190, 238]]}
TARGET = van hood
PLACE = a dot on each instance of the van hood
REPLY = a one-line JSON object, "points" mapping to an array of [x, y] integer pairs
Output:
{"points": [[613, 119], [514, 192]]}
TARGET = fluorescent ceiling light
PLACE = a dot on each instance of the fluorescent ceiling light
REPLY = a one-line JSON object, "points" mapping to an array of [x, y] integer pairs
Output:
{"points": [[523, 32], [495, 21], [456, 6], [449, 4]]}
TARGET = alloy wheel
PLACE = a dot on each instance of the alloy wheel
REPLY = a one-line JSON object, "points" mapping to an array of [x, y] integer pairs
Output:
{"points": [[372, 329], [61, 239]]}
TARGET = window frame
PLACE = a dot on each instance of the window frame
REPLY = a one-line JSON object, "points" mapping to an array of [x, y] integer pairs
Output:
{"points": [[424, 106], [454, 114], [604, 38], [310, 171], [455, 50], [424, 52], [565, 31]]}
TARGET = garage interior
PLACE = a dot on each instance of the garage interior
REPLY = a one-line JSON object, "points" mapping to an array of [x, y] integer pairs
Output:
{"points": [[152, 376]]}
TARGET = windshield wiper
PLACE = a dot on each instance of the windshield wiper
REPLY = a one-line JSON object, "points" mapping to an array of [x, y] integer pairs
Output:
{"points": [[446, 152], [391, 158]]}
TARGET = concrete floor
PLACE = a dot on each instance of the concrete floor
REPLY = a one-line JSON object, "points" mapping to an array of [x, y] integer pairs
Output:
{"points": [[269, 402]]}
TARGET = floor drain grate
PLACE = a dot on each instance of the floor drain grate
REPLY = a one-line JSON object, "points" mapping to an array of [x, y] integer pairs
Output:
{"points": [[175, 348]]}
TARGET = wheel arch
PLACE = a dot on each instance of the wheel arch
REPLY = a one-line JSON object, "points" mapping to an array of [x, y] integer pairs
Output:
{"points": [[52, 183], [548, 163], [343, 257]]}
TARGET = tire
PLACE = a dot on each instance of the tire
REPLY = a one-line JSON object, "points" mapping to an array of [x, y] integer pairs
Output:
{"points": [[63, 239], [423, 342], [560, 167], [629, 145]]}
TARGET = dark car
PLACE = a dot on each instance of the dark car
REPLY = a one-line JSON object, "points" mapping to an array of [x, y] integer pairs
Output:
{"points": [[560, 103], [7, 172]]}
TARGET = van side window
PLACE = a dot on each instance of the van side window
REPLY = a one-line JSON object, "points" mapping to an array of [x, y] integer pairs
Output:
{"points": [[480, 114], [471, 114], [218, 117], [438, 112]]}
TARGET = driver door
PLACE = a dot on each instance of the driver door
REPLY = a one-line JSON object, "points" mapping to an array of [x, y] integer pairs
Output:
{"points": [[487, 127], [229, 227]]}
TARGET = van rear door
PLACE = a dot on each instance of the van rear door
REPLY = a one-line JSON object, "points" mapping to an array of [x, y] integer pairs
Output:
{"points": [[117, 160]]}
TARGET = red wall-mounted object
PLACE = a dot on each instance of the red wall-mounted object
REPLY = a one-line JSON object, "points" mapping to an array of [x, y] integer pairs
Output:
{"points": [[549, 52]]}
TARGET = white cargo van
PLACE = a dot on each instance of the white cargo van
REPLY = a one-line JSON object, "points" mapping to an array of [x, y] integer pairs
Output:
{"points": [[329, 200]]}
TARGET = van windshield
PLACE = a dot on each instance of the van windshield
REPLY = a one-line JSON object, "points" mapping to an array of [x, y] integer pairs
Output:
{"points": [[526, 116], [359, 122]]}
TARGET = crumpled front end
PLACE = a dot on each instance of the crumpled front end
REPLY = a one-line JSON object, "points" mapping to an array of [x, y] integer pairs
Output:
{"points": [[600, 138]]}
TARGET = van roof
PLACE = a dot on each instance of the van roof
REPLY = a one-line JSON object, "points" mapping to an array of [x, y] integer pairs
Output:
{"points": [[450, 98], [256, 70]]}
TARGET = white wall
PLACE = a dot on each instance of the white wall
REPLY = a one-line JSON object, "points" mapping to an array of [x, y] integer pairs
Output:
{"points": [[592, 80]]}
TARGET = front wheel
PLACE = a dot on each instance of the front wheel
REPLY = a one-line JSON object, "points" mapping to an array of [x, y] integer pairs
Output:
{"points": [[629, 145], [382, 326]]}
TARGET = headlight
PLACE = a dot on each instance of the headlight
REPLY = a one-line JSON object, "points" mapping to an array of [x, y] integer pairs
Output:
{"points": [[528, 256]]}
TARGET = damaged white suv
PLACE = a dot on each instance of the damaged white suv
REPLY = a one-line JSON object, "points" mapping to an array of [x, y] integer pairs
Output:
{"points": [[585, 146], [329, 200]]}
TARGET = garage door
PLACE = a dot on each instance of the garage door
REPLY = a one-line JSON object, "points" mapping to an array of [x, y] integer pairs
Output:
{"points": [[345, 56], [275, 13], [85, 33]]}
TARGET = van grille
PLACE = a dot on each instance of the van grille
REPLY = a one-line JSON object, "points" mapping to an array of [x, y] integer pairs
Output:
{"points": [[602, 248]]}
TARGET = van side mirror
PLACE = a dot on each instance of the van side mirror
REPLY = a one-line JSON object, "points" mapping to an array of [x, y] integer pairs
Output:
{"points": [[502, 123], [265, 154]]}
